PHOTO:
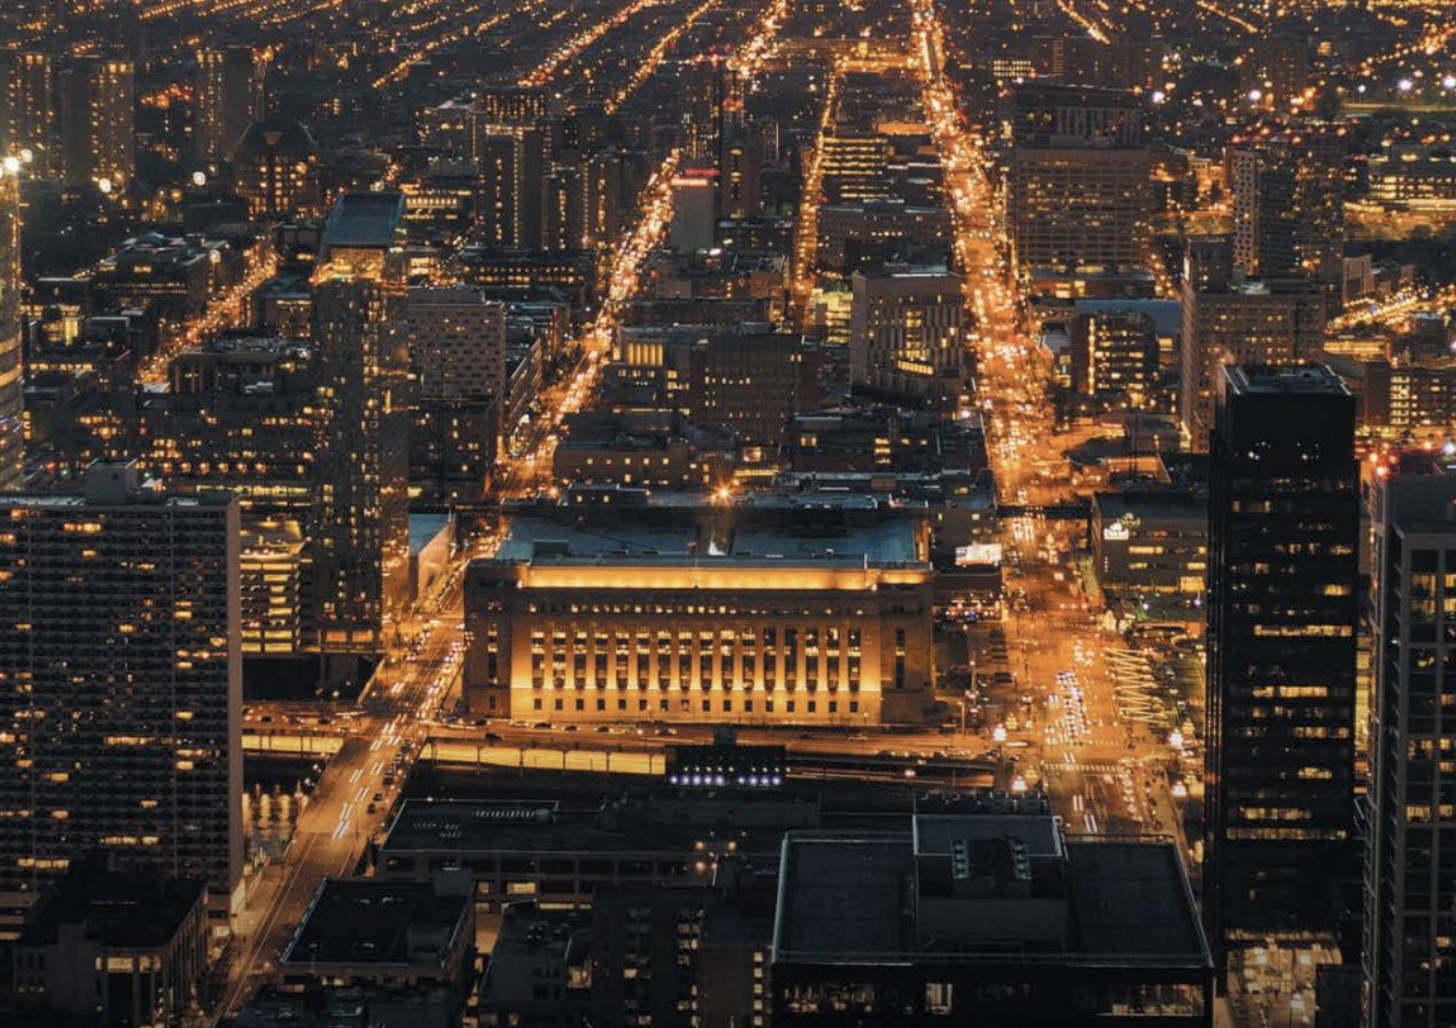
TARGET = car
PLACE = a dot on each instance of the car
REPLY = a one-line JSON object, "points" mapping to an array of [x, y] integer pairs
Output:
{"points": [[604, 728], [570, 728], [378, 797], [372, 808], [492, 737]]}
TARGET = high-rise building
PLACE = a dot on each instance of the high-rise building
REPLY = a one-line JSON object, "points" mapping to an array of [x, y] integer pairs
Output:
{"points": [[98, 122], [226, 93], [1289, 206], [277, 168], [119, 722], [457, 348], [1227, 320], [1282, 620], [693, 213], [457, 341], [1077, 189], [27, 110], [855, 166], [752, 383], [907, 331], [740, 173], [12, 385], [1115, 353], [1410, 858], [512, 160], [360, 529]]}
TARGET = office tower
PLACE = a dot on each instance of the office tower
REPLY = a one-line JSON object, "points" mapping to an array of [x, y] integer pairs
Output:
{"points": [[277, 169], [612, 179], [740, 173], [906, 332], [512, 160], [752, 383], [1077, 188], [564, 226], [855, 166], [1282, 616], [1410, 869], [240, 414], [848, 231], [693, 218], [1289, 206], [457, 341], [512, 105], [226, 93], [457, 348], [97, 116], [1281, 60], [119, 722], [1115, 354], [361, 515], [12, 385], [1073, 60], [27, 111], [1228, 320], [492, 214]]}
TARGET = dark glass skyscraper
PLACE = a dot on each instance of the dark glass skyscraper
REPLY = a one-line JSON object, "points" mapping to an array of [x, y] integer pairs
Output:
{"points": [[1410, 860], [1282, 612]]}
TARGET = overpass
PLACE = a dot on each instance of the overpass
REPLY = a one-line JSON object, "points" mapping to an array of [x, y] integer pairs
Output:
{"points": [[1067, 511]]}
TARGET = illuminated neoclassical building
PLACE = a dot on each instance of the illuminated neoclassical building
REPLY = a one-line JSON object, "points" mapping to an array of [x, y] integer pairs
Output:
{"points": [[615, 604]]}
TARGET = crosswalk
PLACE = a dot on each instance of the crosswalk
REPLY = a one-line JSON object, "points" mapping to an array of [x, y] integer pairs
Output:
{"points": [[1086, 769]]}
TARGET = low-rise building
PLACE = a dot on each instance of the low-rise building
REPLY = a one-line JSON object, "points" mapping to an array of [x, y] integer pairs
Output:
{"points": [[984, 916], [367, 931], [1150, 550], [878, 221], [618, 603], [115, 949], [648, 449], [539, 850], [539, 973]]}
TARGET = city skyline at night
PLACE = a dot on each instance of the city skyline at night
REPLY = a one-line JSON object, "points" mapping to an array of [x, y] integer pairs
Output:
{"points": [[659, 513]]}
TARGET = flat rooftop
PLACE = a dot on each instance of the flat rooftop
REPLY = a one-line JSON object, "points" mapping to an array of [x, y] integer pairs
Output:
{"points": [[676, 529], [1167, 503], [526, 826], [844, 896], [846, 899], [117, 908], [376, 921], [1281, 380], [364, 220]]}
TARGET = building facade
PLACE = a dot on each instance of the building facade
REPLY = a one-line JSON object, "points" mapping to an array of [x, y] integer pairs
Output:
{"points": [[1231, 322], [1410, 858], [12, 384], [907, 332], [815, 616], [98, 127], [226, 96], [1282, 620], [120, 637]]}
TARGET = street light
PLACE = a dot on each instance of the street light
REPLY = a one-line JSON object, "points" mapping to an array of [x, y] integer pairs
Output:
{"points": [[999, 733]]}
